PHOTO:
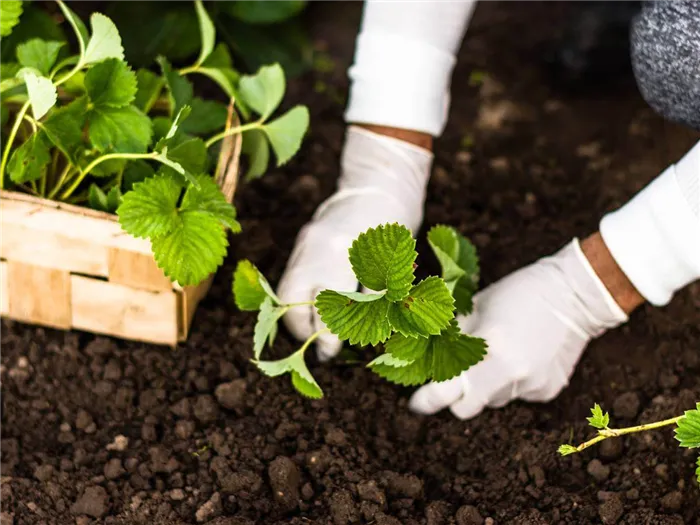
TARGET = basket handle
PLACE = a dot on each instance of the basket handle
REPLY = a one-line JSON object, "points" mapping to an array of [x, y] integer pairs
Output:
{"points": [[229, 157]]}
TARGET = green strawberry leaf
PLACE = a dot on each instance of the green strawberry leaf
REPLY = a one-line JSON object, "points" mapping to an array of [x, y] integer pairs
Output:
{"points": [[286, 133], [28, 161], [180, 90], [193, 250], [207, 32], [120, 130], [111, 83], [206, 197], [459, 262], [382, 259], [104, 42], [598, 419], [114, 199], [454, 352], [188, 158], [427, 310], [64, 127], [150, 209], [41, 92], [358, 320], [263, 91], [250, 288], [38, 54], [256, 147], [408, 348], [207, 116], [302, 379], [149, 88], [266, 326], [10, 11], [567, 450], [688, 431], [416, 372]]}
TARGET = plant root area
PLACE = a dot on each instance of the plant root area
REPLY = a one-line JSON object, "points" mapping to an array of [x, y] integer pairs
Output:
{"points": [[98, 430]]}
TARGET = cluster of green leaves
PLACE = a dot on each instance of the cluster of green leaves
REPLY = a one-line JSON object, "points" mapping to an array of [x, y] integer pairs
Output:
{"points": [[138, 143], [415, 321], [687, 431]]}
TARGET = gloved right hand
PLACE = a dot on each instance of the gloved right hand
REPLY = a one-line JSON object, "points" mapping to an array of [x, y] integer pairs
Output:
{"points": [[382, 180]]}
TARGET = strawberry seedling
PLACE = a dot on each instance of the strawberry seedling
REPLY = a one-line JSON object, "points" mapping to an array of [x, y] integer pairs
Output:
{"points": [[687, 431], [414, 321], [89, 130]]}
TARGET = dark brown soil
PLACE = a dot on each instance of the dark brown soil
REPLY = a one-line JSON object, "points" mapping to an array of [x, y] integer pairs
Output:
{"points": [[97, 430]]}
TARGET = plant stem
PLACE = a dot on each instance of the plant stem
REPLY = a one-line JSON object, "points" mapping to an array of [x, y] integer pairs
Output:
{"points": [[311, 339], [61, 180], [188, 70], [292, 305], [606, 433], [99, 160], [10, 140], [233, 131]]}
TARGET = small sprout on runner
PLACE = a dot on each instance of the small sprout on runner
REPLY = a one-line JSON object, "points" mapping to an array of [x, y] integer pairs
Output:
{"points": [[414, 321], [687, 431]]}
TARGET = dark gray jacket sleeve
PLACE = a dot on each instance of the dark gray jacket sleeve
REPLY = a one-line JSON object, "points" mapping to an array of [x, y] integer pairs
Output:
{"points": [[666, 58]]}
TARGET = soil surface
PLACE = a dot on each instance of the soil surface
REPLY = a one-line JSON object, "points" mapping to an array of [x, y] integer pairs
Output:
{"points": [[97, 430]]}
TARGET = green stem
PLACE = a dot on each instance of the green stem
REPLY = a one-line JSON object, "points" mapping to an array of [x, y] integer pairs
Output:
{"points": [[292, 305], [10, 140], [61, 180], [311, 339], [188, 70], [233, 131], [606, 433], [100, 160]]}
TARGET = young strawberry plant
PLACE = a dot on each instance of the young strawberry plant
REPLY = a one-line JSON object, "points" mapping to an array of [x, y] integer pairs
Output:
{"points": [[87, 129], [687, 431], [414, 321]]}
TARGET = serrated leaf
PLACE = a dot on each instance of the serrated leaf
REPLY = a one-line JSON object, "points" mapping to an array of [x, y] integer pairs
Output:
{"points": [[41, 92], [173, 127], [28, 161], [81, 33], [136, 171], [206, 31], [427, 310], [454, 352], [266, 326], [294, 365], [10, 11], [97, 198], [207, 116], [187, 158], [104, 42], [566, 450], [180, 90], [415, 373], [38, 54], [111, 83], [383, 257], [256, 147], [64, 127], [149, 87], [193, 250], [120, 130], [389, 360], [598, 419], [688, 431], [250, 288], [286, 133], [459, 262], [407, 348], [150, 209], [263, 91], [207, 197], [360, 322]]}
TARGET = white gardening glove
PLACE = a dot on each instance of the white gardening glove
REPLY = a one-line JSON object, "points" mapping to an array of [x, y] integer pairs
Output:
{"points": [[536, 322], [382, 180]]}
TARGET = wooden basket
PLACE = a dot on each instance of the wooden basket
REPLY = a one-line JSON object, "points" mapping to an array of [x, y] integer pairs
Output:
{"points": [[67, 267]]}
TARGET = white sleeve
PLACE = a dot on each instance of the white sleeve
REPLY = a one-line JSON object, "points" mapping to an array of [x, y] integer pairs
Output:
{"points": [[404, 57], [655, 237]]}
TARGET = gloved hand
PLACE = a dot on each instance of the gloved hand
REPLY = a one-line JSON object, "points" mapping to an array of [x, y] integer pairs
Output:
{"points": [[382, 180], [536, 322]]}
